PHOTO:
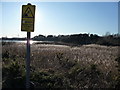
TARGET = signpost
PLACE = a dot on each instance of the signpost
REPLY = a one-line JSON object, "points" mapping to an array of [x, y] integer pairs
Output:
{"points": [[28, 18], [27, 24]]}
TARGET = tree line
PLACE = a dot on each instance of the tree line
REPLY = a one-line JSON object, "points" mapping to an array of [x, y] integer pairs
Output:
{"points": [[80, 39]]}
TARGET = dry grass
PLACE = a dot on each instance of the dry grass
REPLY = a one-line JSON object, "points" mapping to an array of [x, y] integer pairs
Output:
{"points": [[44, 55], [49, 57], [86, 55]]}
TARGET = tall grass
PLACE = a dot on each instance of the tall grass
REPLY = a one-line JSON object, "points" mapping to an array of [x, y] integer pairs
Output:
{"points": [[59, 66]]}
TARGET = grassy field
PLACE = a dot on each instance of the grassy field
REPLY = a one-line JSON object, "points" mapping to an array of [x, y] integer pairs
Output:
{"points": [[61, 66]]}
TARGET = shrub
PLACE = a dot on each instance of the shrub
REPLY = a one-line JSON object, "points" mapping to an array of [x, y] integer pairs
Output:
{"points": [[5, 54], [65, 62], [44, 79], [13, 76], [118, 77]]}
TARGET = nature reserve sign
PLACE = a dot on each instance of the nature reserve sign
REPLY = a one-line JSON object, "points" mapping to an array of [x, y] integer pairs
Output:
{"points": [[28, 18]]}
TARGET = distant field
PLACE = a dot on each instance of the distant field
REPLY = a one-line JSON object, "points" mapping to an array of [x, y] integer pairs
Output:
{"points": [[62, 58]]}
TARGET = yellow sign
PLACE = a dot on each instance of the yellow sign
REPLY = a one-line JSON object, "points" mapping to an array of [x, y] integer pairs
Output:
{"points": [[28, 18]]}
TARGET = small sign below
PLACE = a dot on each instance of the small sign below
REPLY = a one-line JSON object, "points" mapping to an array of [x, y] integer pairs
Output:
{"points": [[28, 18]]}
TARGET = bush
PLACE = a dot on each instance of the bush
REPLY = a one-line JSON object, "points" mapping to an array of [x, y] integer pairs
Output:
{"points": [[13, 76], [118, 77], [44, 79], [65, 62]]}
